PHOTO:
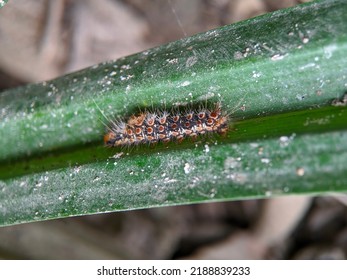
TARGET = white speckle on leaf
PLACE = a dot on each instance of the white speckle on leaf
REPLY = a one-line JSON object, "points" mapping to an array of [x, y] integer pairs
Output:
{"points": [[329, 50], [125, 78], [184, 84], [191, 61], [77, 169], [268, 193], [206, 96], [44, 126], [187, 168], [278, 57], [308, 65], [300, 171], [238, 55], [305, 40], [254, 145], [256, 74], [284, 141], [168, 180], [172, 60], [265, 160]]}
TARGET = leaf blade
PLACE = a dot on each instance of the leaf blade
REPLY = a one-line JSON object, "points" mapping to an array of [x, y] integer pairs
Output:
{"points": [[284, 69]]}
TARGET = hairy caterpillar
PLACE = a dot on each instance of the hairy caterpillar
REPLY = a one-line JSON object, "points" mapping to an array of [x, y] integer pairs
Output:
{"points": [[153, 127]]}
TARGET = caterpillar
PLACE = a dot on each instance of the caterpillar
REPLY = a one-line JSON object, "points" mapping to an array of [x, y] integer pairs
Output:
{"points": [[152, 127]]}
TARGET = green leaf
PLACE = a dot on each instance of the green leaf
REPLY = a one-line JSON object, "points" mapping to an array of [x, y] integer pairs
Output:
{"points": [[277, 75]]}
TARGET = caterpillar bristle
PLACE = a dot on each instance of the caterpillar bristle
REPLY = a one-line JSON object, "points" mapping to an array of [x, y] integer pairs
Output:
{"points": [[149, 127]]}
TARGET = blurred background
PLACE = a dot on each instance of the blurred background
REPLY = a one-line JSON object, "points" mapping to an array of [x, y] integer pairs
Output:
{"points": [[43, 39]]}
